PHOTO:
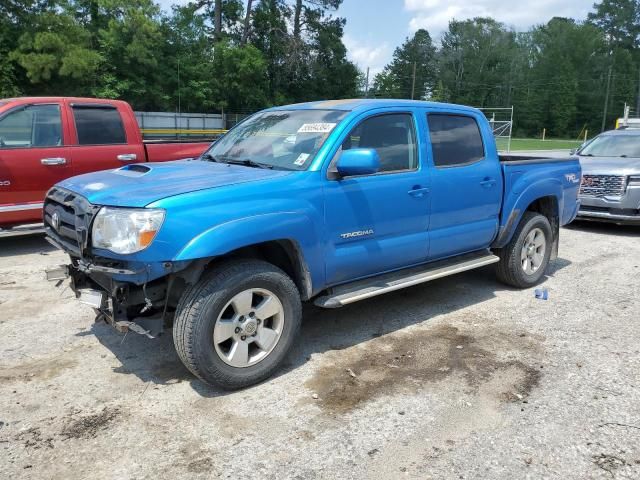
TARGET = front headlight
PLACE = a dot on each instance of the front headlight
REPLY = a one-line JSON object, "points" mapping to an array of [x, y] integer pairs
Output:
{"points": [[126, 230], [634, 180]]}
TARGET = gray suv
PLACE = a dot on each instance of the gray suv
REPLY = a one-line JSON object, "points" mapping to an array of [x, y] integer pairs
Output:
{"points": [[610, 189]]}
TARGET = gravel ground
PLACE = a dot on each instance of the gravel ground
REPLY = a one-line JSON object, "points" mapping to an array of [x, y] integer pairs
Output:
{"points": [[459, 378]]}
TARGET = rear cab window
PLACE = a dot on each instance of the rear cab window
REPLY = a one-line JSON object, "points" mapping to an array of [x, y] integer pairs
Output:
{"points": [[98, 125], [455, 139]]}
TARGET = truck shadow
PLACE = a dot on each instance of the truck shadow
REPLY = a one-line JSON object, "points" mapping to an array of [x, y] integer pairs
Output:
{"points": [[156, 361], [25, 245], [604, 228]]}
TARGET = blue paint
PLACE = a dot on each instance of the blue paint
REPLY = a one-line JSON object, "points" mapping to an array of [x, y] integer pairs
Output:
{"points": [[345, 227]]}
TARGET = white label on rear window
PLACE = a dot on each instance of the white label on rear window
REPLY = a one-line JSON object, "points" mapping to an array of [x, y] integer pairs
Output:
{"points": [[316, 128], [301, 159]]}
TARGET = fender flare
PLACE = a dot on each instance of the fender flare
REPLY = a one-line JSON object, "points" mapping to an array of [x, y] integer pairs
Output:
{"points": [[517, 207], [226, 237]]}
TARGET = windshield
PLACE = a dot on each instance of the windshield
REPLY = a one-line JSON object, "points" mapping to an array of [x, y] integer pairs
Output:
{"points": [[613, 146], [280, 139]]}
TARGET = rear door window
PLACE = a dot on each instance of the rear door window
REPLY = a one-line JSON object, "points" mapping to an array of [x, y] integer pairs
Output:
{"points": [[32, 126], [455, 140], [98, 125]]}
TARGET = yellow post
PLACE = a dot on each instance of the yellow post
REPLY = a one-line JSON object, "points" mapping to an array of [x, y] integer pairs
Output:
{"points": [[585, 135], [544, 133]]}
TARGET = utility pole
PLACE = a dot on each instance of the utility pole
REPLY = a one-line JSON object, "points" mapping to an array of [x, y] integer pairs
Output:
{"points": [[179, 106], [366, 86], [413, 81], [638, 98], [606, 101]]}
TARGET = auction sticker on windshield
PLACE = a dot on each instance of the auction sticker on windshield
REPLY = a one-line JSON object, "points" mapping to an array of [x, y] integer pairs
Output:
{"points": [[316, 128], [301, 159]]}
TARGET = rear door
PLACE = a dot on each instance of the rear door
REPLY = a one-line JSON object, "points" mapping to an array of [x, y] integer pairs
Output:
{"points": [[466, 186], [379, 222], [33, 157], [101, 141]]}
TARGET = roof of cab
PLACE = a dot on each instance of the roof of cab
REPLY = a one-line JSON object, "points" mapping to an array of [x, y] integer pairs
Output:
{"points": [[27, 100], [368, 104]]}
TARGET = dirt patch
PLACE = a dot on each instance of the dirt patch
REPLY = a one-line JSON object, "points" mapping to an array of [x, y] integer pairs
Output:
{"points": [[42, 369], [388, 364], [88, 426], [33, 438], [609, 463]]}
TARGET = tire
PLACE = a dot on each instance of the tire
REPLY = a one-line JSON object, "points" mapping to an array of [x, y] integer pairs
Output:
{"points": [[511, 269], [217, 304]]}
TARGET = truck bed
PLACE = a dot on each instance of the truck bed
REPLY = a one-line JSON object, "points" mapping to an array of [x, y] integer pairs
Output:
{"points": [[526, 159]]}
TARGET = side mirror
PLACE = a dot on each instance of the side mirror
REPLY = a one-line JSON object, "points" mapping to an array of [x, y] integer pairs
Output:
{"points": [[573, 152], [358, 161]]}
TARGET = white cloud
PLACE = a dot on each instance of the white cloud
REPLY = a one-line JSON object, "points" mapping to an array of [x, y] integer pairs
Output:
{"points": [[365, 54], [434, 15]]}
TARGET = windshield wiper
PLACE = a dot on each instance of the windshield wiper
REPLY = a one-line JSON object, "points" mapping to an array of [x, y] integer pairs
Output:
{"points": [[207, 157], [247, 162]]}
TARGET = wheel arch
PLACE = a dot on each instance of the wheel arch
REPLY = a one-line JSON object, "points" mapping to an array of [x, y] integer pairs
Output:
{"points": [[285, 254], [545, 198]]}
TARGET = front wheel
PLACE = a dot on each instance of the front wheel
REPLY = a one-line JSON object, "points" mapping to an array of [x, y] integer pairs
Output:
{"points": [[235, 326], [526, 257]]}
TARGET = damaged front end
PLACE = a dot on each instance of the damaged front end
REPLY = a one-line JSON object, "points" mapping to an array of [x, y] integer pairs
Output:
{"points": [[129, 295]]}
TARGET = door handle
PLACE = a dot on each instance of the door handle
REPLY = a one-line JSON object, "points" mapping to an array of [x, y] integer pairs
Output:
{"points": [[418, 191], [488, 182], [127, 157], [53, 161]]}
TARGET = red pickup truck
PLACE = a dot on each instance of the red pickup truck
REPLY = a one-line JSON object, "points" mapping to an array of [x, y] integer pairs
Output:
{"points": [[46, 139]]}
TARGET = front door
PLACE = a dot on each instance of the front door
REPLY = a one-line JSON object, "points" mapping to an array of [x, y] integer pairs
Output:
{"points": [[32, 159], [378, 222]]}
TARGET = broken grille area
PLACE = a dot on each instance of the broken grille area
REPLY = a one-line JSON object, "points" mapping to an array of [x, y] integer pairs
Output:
{"points": [[67, 217]]}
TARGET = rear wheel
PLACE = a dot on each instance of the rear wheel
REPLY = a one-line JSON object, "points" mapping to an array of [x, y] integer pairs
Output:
{"points": [[525, 259], [235, 326]]}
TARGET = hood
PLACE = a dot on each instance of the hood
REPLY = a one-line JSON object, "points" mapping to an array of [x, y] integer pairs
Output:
{"points": [[138, 185], [610, 165]]}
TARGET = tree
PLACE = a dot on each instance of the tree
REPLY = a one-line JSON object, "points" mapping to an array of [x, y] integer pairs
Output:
{"points": [[239, 78], [53, 51], [620, 20], [475, 60], [417, 54]]}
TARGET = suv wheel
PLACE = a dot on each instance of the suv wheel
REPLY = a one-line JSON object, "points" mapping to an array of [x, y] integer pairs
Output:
{"points": [[235, 326], [525, 259]]}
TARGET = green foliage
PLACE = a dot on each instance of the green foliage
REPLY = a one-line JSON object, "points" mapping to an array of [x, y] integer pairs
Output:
{"points": [[397, 78], [475, 59], [56, 51], [128, 49], [240, 85], [620, 20]]}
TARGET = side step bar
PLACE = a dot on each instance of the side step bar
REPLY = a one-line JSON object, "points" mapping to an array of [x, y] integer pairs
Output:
{"points": [[22, 230], [370, 287]]}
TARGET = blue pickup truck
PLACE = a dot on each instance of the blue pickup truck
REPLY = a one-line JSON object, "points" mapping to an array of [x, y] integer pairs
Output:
{"points": [[329, 202]]}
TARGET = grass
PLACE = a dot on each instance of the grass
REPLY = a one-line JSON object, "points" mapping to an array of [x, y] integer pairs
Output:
{"points": [[537, 144]]}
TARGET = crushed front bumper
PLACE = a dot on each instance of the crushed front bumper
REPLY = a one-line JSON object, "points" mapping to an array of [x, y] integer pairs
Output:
{"points": [[124, 306]]}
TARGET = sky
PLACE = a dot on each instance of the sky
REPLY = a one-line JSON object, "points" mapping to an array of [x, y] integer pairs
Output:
{"points": [[376, 27]]}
